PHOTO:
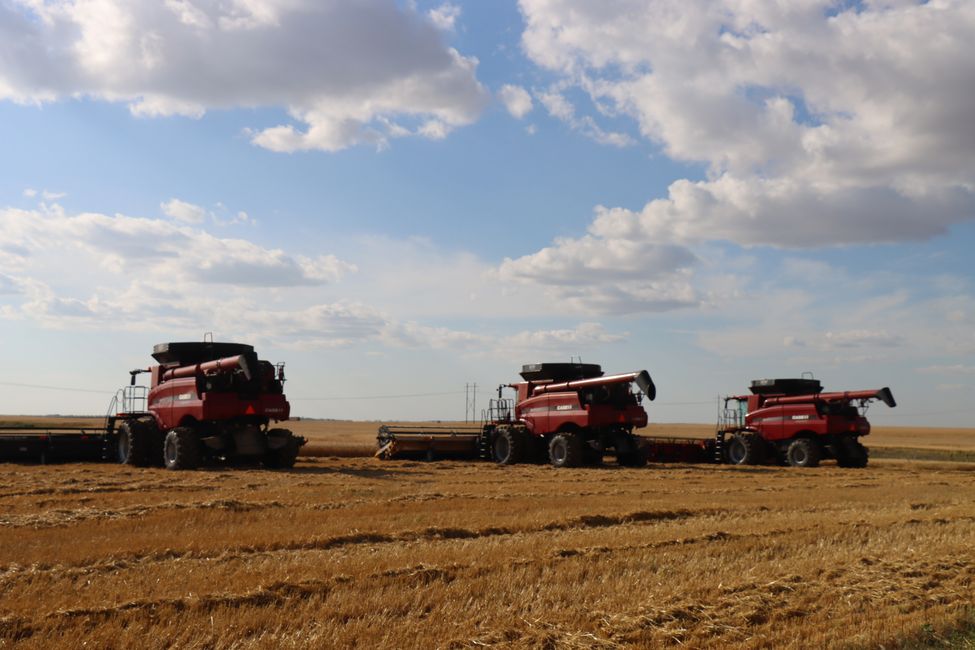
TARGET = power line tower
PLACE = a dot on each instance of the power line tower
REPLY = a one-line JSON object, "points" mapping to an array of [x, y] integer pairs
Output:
{"points": [[470, 402]]}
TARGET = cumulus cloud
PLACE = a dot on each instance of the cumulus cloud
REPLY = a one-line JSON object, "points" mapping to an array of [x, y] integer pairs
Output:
{"points": [[169, 251], [816, 124], [183, 211], [445, 16], [609, 274], [559, 107], [166, 275], [347, 72], [516, 99], [564, 341]]}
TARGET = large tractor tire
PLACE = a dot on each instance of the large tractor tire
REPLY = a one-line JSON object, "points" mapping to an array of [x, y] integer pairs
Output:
{"points": [[181, 449], [745, 448], [635, 458], [134, 444], [803, 452], [591, 456], [566, 450], [509, 446], [283, 457], [629, 452], [851, 453]]}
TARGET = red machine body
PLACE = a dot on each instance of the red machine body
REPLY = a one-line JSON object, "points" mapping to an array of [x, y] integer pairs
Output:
{"points": [[594, 403], [208, 401], [218, 390], [794, 422], [570, 413]]}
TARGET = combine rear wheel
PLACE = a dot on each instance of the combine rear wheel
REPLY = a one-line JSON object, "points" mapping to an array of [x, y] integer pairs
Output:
{"points": [[181, 449], [591, 456], [283, 457], [509, 446], [803, 452], [134, 444], [745, 449], [565, 450], [852, 453]]}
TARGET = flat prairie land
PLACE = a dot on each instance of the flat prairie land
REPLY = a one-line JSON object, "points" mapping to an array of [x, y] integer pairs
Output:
{"points": [[356, 552]]}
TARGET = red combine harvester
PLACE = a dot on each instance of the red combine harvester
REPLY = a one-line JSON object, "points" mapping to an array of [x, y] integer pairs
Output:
{"points": [[207, 402], [569, 414], [792, 422]]}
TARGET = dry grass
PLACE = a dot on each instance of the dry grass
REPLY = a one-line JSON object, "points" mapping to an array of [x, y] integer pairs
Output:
{"points": [[355, 552]]}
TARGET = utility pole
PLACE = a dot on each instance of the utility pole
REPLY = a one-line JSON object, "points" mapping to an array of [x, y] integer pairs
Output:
{"points": [[470, 402]]}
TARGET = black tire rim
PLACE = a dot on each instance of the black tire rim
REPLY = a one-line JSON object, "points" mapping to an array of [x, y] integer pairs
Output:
{"points": [[799, 455], [559, 451], [170, 451], [501, 448], [736, 452]]}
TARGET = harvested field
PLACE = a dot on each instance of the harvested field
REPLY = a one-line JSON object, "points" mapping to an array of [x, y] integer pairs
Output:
{"points": [[344, 552]]}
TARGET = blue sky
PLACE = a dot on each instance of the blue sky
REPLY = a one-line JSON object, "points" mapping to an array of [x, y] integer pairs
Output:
{"points": [[398, 198]]}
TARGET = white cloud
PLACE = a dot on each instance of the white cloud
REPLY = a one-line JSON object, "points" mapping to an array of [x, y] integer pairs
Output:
{"points": [[171, 253], [953, 369], [815, 127], [161, 275], [802, 118], [183, 211], [516, 99], [347, 72], [559, 107], [609, 274], [46, 195], [445, 16], [861, 338], [9, 285], [564, 341]]}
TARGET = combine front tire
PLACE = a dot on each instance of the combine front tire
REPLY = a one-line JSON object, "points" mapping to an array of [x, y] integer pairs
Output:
{"points": [[283, 457], [745, 449], [565, 450], [803, 452], [509, 446], [134, 444], [181, 449]]}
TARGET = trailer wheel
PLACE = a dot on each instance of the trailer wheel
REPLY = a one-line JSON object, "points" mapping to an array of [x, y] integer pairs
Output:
{"points": [[803, 452], [508, 446], [282, 457], [852, 453], [181, 449], [565, 450], [745, 449], [133, 444]]}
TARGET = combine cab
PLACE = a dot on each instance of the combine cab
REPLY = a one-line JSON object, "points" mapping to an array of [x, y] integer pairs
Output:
{"points": [[569, 414], [206, 401]]}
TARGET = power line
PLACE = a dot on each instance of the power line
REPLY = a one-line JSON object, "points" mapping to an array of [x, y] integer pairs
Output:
{"points": [[352, 397], [64, 388]]}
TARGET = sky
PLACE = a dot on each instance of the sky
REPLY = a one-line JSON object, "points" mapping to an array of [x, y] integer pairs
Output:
{"points": [[399, 198]]}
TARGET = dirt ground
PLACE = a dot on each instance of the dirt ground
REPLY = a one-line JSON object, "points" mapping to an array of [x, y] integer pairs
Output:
{"points": [[358, 552]]}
